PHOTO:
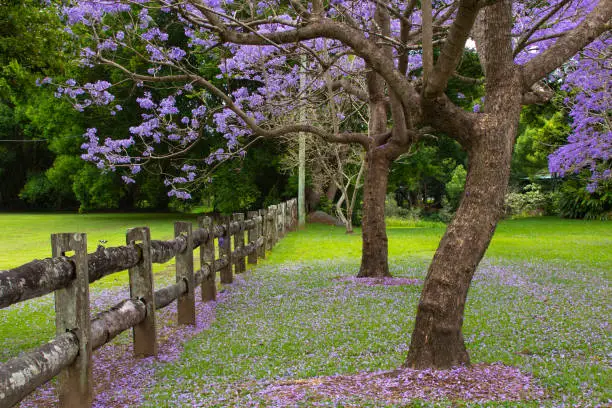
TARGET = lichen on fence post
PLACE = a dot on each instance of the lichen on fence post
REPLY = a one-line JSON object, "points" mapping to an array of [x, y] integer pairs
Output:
{"points": [[240, 261], [281, 220], [288, 210], [225, 250], [184, 271], [276, 230], [72, 314], [207, 259], [261, 251], [253, 234], [141, 287], [294, 214]]}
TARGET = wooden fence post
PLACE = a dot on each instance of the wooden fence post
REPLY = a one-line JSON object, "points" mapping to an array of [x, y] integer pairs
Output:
{"points": [[225, 250], [281, 220], [207, 257], [275, 224], [289, 216], [252, 236], [72, 314], [294, 215], [184, 271], [261, 251], [240, 261], [270, 229], [141, 287]]}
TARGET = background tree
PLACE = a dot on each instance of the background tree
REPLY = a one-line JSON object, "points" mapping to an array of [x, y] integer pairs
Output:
{"points": [[402, 105]]}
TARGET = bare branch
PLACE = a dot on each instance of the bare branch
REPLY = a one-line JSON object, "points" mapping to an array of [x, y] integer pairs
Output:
{"points": [[351, 88], [468, 80]]}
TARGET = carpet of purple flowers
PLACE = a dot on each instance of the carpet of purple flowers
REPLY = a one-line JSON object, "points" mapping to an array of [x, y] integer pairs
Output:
{"points": [[309, 334], [296, 335]]}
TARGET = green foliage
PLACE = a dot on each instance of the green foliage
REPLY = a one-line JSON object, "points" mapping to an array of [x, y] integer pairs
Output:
{"points": [[455, 186], [326, 205], [38, 192], [543, 129], [393, 210], [532, 201], [419, 179], [97, 191], [233, 189], [576, 202], [249, 183]]}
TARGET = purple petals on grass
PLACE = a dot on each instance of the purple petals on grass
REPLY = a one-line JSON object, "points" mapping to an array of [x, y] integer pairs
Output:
{"points": [[387, 281], [480, 383], [121, 380]]}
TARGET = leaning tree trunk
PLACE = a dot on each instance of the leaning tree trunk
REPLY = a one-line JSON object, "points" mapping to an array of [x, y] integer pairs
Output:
{"points": [[374, 257], [437, 340]]}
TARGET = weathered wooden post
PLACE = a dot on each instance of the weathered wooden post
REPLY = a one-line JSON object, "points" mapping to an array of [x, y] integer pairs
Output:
{"points": [[275, 225], [289, 216], [184, 271], [281, 219], [252, 236], [72, 314], [240, 261], [225, 250], [270, 229], [141, 287], [207, 258], [294, 219], [261, 251]]}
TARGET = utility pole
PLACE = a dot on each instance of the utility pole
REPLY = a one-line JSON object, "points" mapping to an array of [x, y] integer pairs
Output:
{"points": [[302, 154]]}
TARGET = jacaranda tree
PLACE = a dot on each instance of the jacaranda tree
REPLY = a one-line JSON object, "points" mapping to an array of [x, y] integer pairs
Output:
{"points": [[402, 55]]}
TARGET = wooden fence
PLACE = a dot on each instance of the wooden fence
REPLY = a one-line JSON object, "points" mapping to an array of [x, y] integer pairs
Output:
{"points": [[69, 354]]}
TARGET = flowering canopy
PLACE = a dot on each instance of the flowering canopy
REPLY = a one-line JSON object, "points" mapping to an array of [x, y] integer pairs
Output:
{"points": [[262, 50]]}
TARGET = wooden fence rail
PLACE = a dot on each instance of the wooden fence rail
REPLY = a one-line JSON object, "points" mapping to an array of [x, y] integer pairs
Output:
{"points": [[69, 354]]}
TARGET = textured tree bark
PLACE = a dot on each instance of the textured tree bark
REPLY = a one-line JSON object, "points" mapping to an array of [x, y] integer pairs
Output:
{"points": [[374, 257], [437, 340]]}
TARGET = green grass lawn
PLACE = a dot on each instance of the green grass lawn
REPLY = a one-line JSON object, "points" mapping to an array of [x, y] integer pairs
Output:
{"points": [[24, 237], [539, 301]]}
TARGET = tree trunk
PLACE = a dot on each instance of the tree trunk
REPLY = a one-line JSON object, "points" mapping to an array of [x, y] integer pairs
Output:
{"points": [[374, 256], [437, 340], [349, 217], [332, 189]]}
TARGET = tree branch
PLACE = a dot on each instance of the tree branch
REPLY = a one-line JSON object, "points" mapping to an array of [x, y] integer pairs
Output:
{"points": [[350, 88], [453, 49], [249, 121], [522, 43], [355, 39], [597, 22]]}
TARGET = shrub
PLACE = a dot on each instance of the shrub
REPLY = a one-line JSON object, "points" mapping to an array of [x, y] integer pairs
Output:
{"points": [[576, 202], [532, 201], [392, 210]]}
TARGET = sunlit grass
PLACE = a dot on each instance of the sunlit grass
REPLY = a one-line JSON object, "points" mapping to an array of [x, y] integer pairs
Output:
{"points": [[539, 301]]}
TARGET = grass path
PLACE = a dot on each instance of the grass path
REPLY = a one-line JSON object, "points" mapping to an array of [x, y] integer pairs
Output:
{"points": [[539, 301]]}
